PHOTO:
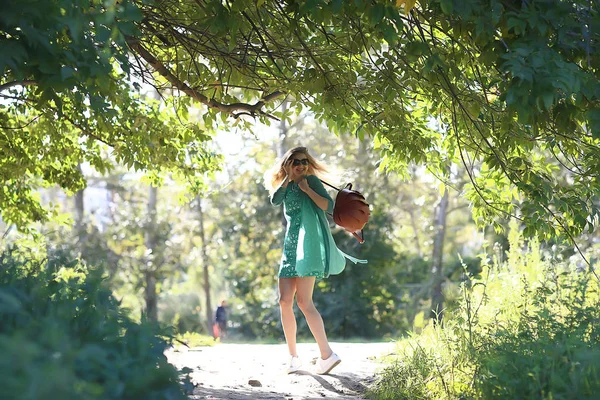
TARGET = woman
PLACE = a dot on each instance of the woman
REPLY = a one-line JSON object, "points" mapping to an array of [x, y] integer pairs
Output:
{"points": [[309, 251]]}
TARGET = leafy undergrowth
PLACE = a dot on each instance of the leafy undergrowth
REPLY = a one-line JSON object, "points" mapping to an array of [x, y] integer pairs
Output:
{"points": [[193, 339], [63, 336], [527, 329]]}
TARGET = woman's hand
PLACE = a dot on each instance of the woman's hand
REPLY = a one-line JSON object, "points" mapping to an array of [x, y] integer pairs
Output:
{"points": [[319, 200], [287, 168], [303, 185]]}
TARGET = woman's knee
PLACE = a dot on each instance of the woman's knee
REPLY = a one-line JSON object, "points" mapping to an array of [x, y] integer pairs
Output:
{"points": [[286, 301], [287, 291], [305, 304]]}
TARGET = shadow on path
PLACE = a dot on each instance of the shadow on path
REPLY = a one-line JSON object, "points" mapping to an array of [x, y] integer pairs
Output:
{"points": [[230, 371], [233, 394], [354, 383]]}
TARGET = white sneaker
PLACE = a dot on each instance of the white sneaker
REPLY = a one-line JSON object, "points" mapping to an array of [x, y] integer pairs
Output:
{"points": [[294, 365], [324, 366]]}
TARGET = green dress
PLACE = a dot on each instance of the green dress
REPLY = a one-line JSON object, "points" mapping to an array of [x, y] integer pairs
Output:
{"points": [[308, 247]]}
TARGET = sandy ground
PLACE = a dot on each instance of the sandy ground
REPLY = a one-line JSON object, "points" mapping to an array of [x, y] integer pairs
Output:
{"points": [[229, 371]]}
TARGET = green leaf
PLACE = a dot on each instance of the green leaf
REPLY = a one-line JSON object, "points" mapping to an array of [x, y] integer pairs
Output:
{"points": [[548, 99], [102, 34], [593, 122], [376, 13], [66, 72], [447, 6]]}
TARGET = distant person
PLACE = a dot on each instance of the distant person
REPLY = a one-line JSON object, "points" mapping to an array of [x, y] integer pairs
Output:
{"points": [[221, 319], [309, 251]]}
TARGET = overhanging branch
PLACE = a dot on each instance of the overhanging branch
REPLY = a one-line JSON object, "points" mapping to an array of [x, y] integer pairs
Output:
{"points": [[8, 85], [234, 109]]}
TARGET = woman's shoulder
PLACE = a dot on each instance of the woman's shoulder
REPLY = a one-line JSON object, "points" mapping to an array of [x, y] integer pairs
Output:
{"points": [[313, 180]]}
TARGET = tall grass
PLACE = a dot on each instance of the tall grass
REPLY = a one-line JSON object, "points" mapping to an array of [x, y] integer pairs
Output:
{"points": [[525, 329]]}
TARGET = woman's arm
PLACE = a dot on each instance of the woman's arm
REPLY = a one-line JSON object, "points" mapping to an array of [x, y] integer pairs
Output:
{"points": [[277, 197], [313, 187]]}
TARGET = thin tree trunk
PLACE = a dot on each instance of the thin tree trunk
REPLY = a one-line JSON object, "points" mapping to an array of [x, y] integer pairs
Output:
{"points": [[79, 216], [150, 272], [413, 219], [437, 297], [79, 210], [413, 222], [151, 300], [204, 260]]}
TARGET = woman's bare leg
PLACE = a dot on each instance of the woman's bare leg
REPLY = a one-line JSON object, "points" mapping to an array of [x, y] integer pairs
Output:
{"points": [[287, 290], [304, 293]]}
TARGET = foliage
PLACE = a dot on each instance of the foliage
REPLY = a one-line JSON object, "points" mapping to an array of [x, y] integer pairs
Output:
{"points": [[526, 329], [363, 301], [251, 230], [245, 234], [366, 301], [509, 89], [114, 241], [126, 236], [63, 335], [512, 87], [67, 101], [181, 310]]}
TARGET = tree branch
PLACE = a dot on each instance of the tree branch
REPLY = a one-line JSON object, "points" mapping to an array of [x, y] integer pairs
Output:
{"points": [[8, 85], [241, 108]]}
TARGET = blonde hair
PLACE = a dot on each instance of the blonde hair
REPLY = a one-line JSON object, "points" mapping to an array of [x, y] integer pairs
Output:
{"points": [[276, 175]]}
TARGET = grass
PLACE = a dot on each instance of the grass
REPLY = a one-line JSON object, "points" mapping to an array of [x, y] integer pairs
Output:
{"points": [[193, 339], [526, 329]]}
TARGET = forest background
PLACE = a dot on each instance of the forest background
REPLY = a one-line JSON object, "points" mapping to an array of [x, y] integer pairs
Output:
{"points": [[134, 136]]}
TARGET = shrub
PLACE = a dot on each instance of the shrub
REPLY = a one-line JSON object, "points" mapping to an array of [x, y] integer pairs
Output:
{"points": [[63, 336], [526, 329]]}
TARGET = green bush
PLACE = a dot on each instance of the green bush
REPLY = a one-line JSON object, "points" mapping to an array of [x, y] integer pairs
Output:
{"points": [[182, 311], [63, 336], [527, 329], [553, 349]]}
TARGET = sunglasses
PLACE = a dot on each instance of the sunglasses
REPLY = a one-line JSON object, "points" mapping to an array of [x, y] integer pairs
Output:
{"points": [[297, 162]]}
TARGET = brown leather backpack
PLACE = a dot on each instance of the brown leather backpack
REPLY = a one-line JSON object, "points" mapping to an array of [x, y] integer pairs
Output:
{"points": [[351, 211]]}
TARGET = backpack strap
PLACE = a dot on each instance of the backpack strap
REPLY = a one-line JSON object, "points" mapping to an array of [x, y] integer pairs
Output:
{"points": [[330, 185], [361, 240]]}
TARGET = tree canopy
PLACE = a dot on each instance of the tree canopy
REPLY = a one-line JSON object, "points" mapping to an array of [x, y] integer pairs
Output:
{"points": [[508, 88]]}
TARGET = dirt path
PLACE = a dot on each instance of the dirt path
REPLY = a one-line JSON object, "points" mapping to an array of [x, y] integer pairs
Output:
{"points": [[225, 371]]}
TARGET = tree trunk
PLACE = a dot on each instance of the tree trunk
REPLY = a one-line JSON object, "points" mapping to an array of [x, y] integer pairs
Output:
{"points": [[204, 261], [413, 223], [413, 218], [437, 297], [80, 230], [150, 271], [151, 300]]}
